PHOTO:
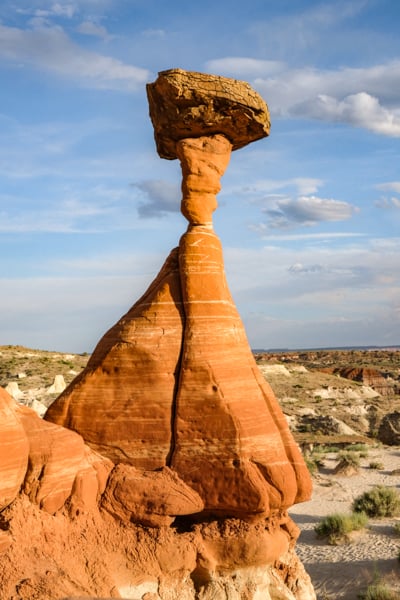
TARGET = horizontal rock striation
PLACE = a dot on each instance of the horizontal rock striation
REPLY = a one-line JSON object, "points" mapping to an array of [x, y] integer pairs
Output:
{"points": [[121, 402], [14, 450]]}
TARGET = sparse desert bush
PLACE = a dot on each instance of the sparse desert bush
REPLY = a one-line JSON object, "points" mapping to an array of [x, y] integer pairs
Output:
{"points": [[379, 591], [311, 464], [349, 463], [380, 501], [352, 459], [375, 464], [314, 461], [337, 526], [362, 449], [328, 449]]}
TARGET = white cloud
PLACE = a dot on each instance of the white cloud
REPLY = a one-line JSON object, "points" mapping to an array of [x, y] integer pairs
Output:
{"points": [[245, 67], [306, 211], [160, 197], [50, 49], [388, 203], [303, 185], [361, 110], [55, 9], [390, 186]]}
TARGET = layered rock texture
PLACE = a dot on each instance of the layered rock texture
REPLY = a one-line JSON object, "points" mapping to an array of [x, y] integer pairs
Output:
{"points": [[171, 407], [367, 376]]}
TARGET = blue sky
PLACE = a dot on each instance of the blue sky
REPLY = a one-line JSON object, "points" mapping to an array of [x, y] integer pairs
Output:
{"points": [[309, 218]]}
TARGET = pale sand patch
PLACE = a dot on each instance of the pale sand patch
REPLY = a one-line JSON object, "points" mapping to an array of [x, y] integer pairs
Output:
{"points": [[341, 572]]}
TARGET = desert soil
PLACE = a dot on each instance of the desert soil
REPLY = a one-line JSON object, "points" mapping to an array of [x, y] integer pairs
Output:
{"points": [[344, 571]]}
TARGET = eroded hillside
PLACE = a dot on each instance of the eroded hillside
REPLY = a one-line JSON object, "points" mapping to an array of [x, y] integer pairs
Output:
{"points": [[318, 398]]}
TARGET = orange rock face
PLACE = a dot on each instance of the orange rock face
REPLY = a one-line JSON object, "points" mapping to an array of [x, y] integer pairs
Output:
{"points": [[14, 449], [232, 442], [60, 466], [152, 498], [122, 402], [49, 463]]}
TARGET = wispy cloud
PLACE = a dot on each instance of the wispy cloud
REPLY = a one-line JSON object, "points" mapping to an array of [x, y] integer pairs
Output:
{"points": [[70, 215], [159, 198], [388, 203], [295, 237], [54, 9], [93, 29], [392, 202], [330, 290], [247, 68], [299, 30], [302, 185], [86, 209], [390, 186], [50, 49]]}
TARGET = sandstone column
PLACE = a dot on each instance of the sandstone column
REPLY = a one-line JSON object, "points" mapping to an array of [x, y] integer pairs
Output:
{"points": [[231, 440]]}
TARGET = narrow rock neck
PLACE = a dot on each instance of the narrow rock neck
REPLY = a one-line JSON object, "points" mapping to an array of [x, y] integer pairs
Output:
{"points": [[203, 161]]}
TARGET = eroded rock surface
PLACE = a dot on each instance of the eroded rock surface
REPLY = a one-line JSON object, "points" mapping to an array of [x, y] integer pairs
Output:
{"points": [[366, 375], [186, 104], [121, 403], [151, 498], [14, 450], [389, 429]]}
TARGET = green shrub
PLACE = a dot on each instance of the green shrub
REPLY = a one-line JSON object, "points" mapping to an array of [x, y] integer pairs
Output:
{"points": [[379, 591], [315, 460], [380, 501], [324, 449], [311, 465], [337, 526], [357, 447], [349, 459], [361, 449], [375, 464]]}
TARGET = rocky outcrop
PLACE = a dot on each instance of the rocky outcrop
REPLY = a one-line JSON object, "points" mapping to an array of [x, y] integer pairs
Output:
{"points": [[205, 465], [48, 463], [389, 429], [367, 376], [152, 498], [95, 555]]}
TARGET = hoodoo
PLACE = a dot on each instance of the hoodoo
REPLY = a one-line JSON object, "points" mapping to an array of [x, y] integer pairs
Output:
{"points": [[172, 395]]}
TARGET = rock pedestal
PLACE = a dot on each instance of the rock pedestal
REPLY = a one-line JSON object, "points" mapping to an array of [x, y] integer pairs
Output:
{"points": [[174, 382], [173, 397]]}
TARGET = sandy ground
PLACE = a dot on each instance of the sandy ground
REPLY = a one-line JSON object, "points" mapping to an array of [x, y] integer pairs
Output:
{"points": [[342, 572]]}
